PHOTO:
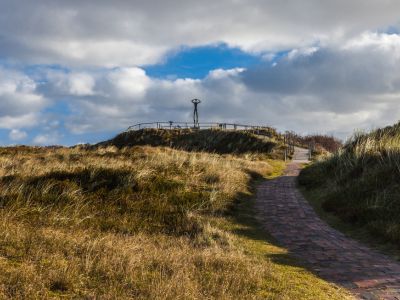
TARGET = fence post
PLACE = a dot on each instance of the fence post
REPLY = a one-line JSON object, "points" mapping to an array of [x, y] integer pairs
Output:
{"points": [[284, 143], [292, 142]]}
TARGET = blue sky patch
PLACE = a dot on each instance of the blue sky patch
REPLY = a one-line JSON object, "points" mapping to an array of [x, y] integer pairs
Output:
{"points": [[198, 61]]}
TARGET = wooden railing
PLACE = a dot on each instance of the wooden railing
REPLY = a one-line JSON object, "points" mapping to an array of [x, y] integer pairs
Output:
{"points": [[287, 138], [186, 125]]}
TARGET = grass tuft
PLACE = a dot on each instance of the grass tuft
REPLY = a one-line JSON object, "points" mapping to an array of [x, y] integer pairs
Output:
{"points": [[361, 182]]}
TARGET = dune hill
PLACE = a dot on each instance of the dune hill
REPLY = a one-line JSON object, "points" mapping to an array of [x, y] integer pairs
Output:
{"points": [[213, 140], [362, 182]]}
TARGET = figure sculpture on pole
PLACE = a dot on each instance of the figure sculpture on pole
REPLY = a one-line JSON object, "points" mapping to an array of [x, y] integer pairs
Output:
{"points": [[195, 113]]}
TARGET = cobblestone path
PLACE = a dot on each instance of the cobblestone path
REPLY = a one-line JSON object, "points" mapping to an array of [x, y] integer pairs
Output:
{"points": [[288, 217]]}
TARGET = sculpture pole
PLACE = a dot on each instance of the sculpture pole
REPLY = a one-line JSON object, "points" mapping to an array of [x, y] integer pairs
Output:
{"points": [[195, 113]]}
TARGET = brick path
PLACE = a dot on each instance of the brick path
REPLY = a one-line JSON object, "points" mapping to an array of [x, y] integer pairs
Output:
{"points": [[284, 213]]}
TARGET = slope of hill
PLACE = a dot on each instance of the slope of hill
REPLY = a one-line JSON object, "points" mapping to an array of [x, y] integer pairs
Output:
{"points": [[361, 183], [139, 222], [214, 141]]}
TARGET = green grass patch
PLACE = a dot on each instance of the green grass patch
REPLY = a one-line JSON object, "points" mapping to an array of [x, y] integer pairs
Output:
{"points": [[358, 189]]}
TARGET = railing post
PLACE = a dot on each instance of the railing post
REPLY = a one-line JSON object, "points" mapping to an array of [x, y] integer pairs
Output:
{"points": [[284, 143]]}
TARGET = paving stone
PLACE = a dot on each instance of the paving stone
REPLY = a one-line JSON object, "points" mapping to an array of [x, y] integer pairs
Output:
{"points": [[288, 217]]}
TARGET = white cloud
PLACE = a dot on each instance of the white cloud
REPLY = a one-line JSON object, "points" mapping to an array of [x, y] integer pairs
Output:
{"points": [[340, 71], [71, 83], [129, 33], [221, 73], [380, 41], [129, 82], [307, 51], [17, 135], [332, 89], [329, 89], [81, 84], [18, 94], [46, 139], [22, 121], [268, 56], [20, 103]]}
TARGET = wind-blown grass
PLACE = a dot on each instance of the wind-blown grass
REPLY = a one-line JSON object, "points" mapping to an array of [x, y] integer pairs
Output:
{"points": [[362, 182], [134, 223]]}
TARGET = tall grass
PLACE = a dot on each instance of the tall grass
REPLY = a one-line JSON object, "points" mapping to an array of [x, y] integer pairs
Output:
{"points": [[362, 182], [138, 223], [129, 223]]}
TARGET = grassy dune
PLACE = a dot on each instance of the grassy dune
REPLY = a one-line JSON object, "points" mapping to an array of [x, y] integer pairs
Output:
{"points": [[212, 140], [139, 223], [361, 183]]}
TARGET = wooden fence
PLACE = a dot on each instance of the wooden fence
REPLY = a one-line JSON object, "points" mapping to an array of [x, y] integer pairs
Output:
{"points": [[186, 125], [288, 137]]}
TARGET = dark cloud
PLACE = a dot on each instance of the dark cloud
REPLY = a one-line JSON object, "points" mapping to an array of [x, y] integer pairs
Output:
{"points": [[121, 33]]}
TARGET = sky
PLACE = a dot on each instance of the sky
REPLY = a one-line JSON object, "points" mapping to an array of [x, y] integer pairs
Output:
{"points": [[82, 71]]}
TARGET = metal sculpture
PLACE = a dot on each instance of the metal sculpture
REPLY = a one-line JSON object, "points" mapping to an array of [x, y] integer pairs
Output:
{"points": [[195, 113]]}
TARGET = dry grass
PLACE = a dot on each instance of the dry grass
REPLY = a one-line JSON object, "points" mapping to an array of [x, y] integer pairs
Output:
{"points": [[129, 223]]}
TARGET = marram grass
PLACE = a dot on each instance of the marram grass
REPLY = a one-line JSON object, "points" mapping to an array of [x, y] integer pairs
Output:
{"points": [[134, 223], [361, 182]]}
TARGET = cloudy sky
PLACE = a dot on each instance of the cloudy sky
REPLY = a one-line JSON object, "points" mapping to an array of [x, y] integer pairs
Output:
{"points": [[81, 71]]}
